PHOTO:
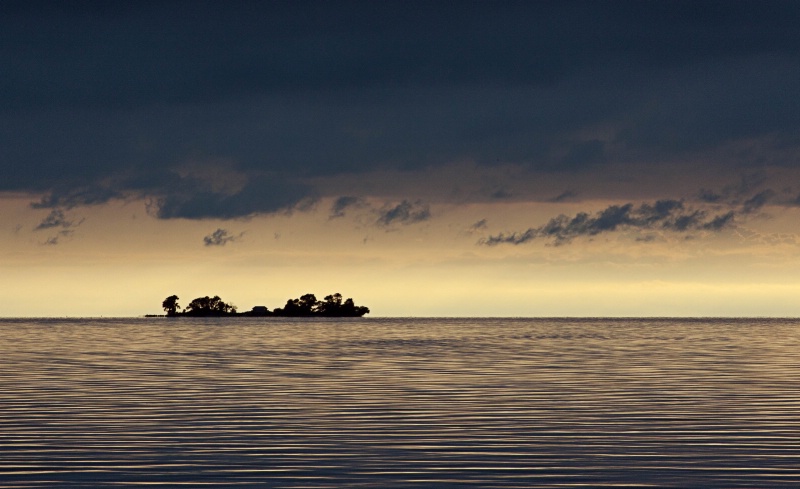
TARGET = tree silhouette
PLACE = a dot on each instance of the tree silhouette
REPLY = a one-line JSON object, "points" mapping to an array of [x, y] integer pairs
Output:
{"points": [[171, 305], [209, 306], [349, 309], [306, 305], [332, 306]]}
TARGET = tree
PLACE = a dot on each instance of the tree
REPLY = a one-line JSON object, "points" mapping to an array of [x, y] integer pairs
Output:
{"points": [[308, 303], [304, 306], [209, 306], [171, 305], [349, 309], [331, 306]]}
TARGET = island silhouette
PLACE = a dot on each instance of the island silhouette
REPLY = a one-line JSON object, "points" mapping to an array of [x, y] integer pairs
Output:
{"points": [[306, 306]]}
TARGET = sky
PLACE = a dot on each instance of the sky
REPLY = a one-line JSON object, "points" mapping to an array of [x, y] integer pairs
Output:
{"points": [[492, 158]]}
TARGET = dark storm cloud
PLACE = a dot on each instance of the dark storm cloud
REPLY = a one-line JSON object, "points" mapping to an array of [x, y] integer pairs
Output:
{"points": [[583, 154], [196, 200], [221, 237], [501, 194], [109, 100], [670, 215], [405, 212]]}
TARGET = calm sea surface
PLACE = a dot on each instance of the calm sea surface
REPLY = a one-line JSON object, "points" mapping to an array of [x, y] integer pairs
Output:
{"points": [[399, 403]]}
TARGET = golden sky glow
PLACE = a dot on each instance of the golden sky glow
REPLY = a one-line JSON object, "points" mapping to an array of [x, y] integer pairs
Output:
{"points": [[112, 265]]}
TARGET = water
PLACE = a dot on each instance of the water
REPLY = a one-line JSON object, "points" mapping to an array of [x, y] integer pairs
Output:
{"points": [[399, 403]]}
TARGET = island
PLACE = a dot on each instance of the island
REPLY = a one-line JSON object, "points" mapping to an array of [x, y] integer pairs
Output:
{"points": [[306, 306]]}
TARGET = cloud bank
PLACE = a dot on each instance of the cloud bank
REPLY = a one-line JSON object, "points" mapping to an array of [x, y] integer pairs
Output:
{"points": [[102, 101]]}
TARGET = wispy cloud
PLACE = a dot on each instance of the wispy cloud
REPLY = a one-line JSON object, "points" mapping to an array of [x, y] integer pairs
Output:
{"points": [[55, 240], [405, 212], [342, 204], [221, 237], [56, 219], [757, 201], [565, 195], [475, 228], [670, 215], [740, 192], [719, 222]]}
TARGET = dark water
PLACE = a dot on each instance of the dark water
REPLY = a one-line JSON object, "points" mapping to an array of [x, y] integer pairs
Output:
{"points": [[400, 403]]}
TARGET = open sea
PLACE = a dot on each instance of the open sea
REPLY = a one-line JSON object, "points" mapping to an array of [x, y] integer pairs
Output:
{"points": [[427, 403]]}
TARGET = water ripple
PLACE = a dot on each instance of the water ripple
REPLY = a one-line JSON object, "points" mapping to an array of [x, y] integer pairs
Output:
{"points": [[399, 403]]}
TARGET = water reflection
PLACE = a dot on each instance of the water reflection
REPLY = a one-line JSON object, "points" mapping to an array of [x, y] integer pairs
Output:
{"points": [[399, 403]]}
